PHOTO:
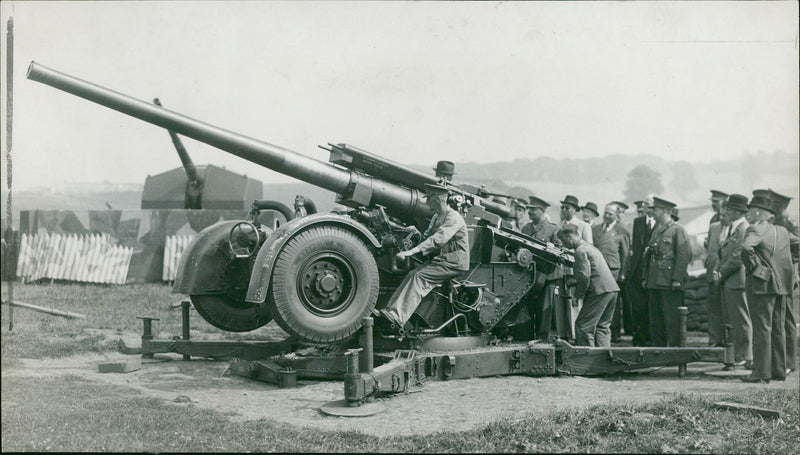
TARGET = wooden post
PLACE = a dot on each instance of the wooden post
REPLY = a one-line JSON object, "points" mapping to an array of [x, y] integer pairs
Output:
{"points": [[9, 121]]}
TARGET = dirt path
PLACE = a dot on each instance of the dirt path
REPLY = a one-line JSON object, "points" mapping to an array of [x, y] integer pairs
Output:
{"points": [[438, 406]]}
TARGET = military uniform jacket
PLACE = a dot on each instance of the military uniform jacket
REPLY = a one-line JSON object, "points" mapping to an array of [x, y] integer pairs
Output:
{"points": [[544, 231], [592, 275], [641, 235], [773, 247], [450, 237], [668, 256], [613, 245], [731, 267]]}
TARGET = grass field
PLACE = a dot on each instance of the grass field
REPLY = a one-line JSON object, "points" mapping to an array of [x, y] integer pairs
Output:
{"points": [[72, 413]]}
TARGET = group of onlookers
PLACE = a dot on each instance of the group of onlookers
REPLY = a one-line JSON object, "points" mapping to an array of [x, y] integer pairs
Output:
{"points": [[751, 266], [635, 278]]}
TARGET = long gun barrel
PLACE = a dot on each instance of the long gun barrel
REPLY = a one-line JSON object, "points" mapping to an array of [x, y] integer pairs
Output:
{"points": [[402, 202]]}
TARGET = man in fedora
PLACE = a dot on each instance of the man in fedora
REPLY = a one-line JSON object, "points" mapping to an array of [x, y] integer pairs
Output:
{"points": [[613, 242], [729, 276], [595, 285], [780, 203], [543, 304], [667, 258], [637, 295], [569, 207], [445, 170], [449, 245], [589, 213], [769, 253]]}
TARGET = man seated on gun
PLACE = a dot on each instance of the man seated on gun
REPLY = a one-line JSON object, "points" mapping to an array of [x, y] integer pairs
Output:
{"points": [[450, 238]]}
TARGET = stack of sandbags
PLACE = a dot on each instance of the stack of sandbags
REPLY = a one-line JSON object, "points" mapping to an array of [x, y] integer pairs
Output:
{"points": [[695, 297]]}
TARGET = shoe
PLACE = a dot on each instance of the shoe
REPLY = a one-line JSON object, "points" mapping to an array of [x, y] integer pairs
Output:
{"points": [[748, 365], [739, 363], [779, 379], [754, 380]]}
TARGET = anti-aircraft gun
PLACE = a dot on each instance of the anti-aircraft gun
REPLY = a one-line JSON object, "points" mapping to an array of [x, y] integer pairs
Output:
{"points": [[320, 275]]}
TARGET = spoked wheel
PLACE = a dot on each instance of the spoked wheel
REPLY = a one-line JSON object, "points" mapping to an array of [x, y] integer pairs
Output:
{"points": [[325, 281], [229, 311]]}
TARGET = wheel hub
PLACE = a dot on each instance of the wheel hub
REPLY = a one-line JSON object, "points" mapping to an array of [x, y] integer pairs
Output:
{"points": [[326, 284]]}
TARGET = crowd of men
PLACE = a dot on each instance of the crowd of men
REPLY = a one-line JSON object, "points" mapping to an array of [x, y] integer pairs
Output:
{"points": [[632, 278]]}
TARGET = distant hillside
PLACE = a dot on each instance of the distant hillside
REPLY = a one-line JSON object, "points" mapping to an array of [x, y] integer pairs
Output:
{"points": [[596, 179]]}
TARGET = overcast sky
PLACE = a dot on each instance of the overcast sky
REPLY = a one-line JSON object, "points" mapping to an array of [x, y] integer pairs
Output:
{"points": [[414, 82]]}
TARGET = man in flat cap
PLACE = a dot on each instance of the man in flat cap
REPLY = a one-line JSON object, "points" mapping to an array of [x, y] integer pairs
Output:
{"points": [[613, 242], [589, 213], [779, 204], [729, 276], [668, 256], [520, 219], [637, 295], [569, 208], [543, 304], [449, 243], [716, 200], [595, 285], [769, 253]]}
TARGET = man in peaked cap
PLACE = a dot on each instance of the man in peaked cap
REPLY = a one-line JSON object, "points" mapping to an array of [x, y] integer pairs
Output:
{"points": [[449, 245], [589, 213], [779, 204], [667, 258], [594, 284], [543, 304], [569, 207], [641, 207], [636, 294], [716, 199], [769, 254], [445, 170], [717, 316], [729, 276]]}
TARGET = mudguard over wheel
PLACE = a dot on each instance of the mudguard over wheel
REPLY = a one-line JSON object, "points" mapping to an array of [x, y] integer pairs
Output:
{"points": [[228, 310], [325, 281]]}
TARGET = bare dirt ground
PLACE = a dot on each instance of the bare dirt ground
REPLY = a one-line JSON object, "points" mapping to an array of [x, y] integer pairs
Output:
{"points": [[437, 406]]}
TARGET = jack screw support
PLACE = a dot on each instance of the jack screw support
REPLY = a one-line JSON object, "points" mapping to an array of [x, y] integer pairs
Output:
{"points": [[683, 312], [727, 341], [366, 343], [353, 385], [147, 335], [185, 304]]}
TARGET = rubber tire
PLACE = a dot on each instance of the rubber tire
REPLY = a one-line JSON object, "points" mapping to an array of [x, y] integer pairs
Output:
{"points": [[226, 314], [285, 305]]}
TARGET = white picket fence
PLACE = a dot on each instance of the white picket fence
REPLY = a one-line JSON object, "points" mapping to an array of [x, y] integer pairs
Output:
{"points": [[173, 249], [82, 258]]}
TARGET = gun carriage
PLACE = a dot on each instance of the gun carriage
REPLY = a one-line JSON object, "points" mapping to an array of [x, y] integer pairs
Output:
{"points": [[320, 276]]}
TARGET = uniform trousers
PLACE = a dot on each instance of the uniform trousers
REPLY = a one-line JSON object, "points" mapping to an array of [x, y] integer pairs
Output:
{"points": [[664, 320], [715, 315], [415, 286], [543, 308], [737, 313], [593, 325], [769, 343], [790, 328], [640, 317]]}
